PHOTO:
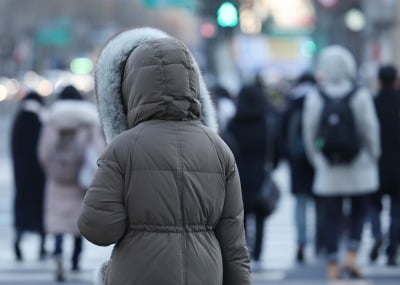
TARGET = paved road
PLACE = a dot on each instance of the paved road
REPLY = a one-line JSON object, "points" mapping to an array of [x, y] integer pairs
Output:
{"points": [[279, 245]]}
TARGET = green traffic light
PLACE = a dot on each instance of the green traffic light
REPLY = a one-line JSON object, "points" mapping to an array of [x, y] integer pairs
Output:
{"points": [[227, 15], [308, 48], [81, 65]]}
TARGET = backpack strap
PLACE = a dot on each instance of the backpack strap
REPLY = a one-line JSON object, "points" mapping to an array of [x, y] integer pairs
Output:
{"points": [[350, 94], [324, 96]]}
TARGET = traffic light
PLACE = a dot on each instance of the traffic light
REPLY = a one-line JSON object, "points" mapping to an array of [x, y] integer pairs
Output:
{"points": [[81, 65], [308, 48], [227, 15]]}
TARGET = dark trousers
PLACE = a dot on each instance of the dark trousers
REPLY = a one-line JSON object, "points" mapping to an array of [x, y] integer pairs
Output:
{"points": [[334, 223], [374, 215], [59, 238], [18, 238], [259, 234], [394, 230], [319, 226]]}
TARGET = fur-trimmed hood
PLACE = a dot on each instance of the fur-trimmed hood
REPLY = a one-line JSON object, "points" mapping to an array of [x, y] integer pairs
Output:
{"points": [[126, 96], [72, 113]]}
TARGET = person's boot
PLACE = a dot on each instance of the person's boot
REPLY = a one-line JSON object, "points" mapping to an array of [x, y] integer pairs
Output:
{"points": [[300, 254], [351, 266], [17, 251], [373, 255], [391, 253], [391, 261], [42, 250], [333, 271], [75, 264], [59, 273], [42, 254]]}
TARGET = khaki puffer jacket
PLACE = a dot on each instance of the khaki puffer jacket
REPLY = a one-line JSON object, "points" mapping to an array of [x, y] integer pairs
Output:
{"points": [[167, 191]]}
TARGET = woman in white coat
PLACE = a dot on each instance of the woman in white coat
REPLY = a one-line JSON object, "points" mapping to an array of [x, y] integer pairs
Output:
{"points": [[355, 179], [71, 127]]}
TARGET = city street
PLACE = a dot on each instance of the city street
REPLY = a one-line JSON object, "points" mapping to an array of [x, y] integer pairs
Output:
{"points": [[279, 244], [312, 83]]}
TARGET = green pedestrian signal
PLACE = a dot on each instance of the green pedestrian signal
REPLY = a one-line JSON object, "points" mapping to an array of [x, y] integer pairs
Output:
{"points": [[308, 48], [227, 15]]}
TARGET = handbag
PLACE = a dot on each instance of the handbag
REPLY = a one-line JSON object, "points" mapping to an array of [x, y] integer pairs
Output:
{"points": [[269, 195]]}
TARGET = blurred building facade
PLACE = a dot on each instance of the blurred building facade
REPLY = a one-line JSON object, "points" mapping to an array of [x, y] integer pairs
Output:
{"points": [[270, 36], [41, 34], [283, 37]]}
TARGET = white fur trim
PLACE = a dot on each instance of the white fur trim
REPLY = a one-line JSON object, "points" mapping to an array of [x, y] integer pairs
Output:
{"points": [[208, 115], [76, 110], [108, 81]]}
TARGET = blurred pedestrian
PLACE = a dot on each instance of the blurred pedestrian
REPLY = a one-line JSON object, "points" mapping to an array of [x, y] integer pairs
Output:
{"points": [[225, 106], [167, 191], [341, 133], [254, 144], [387, 105], [70, 128], [301, 171], [28, 174]]}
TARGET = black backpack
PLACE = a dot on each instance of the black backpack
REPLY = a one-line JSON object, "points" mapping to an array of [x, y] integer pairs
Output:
{"points": [[337, 137]]}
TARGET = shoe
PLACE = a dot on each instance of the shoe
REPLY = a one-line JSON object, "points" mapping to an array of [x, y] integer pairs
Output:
{"points": [[75, 268], [60, 276], [353, 272], [300, 255], [351, 268], [42, 254], [75, 264], [333, 271], [373, 256], [17, 251], [391, 261]]}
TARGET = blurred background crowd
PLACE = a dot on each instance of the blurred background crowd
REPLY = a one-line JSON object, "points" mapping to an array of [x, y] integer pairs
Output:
{"points": [[267, 64]]}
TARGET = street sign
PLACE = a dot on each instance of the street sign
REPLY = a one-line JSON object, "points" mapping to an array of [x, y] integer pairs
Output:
{"points": [[54, 34], [328, 4]]}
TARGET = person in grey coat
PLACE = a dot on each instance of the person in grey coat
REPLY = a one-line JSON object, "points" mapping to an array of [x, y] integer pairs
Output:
{"points": [[355, 179], [167, 190]]}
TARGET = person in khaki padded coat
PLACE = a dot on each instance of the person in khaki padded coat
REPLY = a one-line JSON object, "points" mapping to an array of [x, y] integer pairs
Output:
{"points": [[167, 190]]}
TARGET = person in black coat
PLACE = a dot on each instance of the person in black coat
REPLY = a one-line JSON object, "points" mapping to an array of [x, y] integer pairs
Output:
{"points": [[387, 105], [28, 175], [301, 170], [247, 135]]}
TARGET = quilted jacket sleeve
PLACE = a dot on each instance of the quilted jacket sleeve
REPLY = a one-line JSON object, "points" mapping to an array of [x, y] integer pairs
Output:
{"points": [[231, 236], [103, 218]]}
